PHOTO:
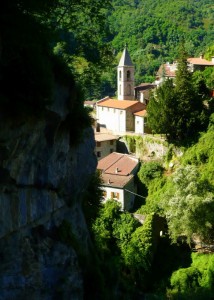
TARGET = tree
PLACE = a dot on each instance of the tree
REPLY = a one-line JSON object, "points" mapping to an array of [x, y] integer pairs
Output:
{"points": [[162, 109], [124, 227], [138, 253], [177, 110], [190, 103], [189, 205], [103, 227]]}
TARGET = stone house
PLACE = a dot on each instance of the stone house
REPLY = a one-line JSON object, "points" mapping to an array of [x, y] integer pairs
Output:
{"points": [[117, 173], [106, 143]]}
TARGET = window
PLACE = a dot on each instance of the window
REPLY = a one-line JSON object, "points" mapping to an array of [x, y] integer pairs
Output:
{"points": [[98, 154], [121, 112], [104, 194], [120, 75], [111, 150], [98, 144], [108, 109], [115, 195], [102, 108], [120, 89], [128, 75], [112, 142], [129, 90]]}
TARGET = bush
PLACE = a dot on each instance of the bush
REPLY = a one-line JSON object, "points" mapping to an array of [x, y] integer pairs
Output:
{"points": [[195, 282], [150, 171]]}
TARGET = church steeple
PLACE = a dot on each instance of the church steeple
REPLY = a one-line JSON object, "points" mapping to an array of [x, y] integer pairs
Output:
{"points": [[125, 77]]}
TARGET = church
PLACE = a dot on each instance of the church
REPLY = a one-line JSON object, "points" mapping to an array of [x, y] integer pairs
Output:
{"points": [[124, 114]]}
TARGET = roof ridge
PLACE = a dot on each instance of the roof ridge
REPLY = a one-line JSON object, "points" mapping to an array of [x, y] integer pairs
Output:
{"points": [[114, 162]]}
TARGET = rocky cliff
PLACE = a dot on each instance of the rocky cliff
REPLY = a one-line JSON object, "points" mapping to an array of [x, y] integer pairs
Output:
{"points": [[42, 182]]}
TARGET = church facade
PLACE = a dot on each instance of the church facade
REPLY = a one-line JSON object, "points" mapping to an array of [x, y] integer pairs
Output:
{"points": [[118, 115]]}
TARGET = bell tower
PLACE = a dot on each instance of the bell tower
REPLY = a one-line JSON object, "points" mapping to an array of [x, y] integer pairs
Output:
{"points": [[125, 77]]}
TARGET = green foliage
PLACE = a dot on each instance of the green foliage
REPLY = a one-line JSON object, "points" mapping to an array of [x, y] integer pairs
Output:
{"points": [[150, 171], [166, 113], [154, 29], [196, 282], [123, 233], [138, 252], [131, 143], [155, 191], [125, 247], [162, 109], [170, 152], [103, 227], [188, 205], [202, 154], [83, 30], [92, 199]]}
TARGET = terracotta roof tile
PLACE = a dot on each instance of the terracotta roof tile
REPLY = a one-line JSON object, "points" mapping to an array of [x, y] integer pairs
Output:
{"points": [[141, 113], [120, 104], [115, 180], [99, 137], [117, 163], [200, 61]]}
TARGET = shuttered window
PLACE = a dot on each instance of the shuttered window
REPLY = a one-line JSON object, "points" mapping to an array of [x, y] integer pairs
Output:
{"points": [[115, 195]]}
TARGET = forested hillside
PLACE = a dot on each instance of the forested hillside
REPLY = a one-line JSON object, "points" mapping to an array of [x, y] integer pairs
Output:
{"points": [[153, 30]]}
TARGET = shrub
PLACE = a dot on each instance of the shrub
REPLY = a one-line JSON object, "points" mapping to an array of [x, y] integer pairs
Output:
{"points": [[150, 171]]}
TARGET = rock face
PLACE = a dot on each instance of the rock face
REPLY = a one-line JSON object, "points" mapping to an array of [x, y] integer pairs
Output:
{"points": [[42, 180]]}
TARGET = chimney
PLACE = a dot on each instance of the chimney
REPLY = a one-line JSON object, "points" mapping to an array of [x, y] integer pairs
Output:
{"points": [[201, 56], [116, 170], [109, 181]]}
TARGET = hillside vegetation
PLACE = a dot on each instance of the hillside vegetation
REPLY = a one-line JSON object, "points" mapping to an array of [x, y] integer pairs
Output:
{"points": [[153, 30]]}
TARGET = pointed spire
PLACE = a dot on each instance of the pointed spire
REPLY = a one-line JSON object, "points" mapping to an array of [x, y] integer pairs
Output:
{"points": [[125, 58]]}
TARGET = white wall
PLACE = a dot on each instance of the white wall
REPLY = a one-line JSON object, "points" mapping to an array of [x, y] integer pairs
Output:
{"points": [[112, 118], [139, 124], [109, 190], [126, 199], [125, 86]]}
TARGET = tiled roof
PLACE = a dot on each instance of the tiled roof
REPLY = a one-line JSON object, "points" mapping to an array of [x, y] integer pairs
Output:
{"points": [[120, 104], [125, 59], [99, 137], [145, 86], [200, 61], [141, 113], [167, 69], [89, 102], [117, 164], [115, 180]]}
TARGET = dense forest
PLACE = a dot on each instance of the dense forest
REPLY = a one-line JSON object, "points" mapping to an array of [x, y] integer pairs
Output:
{"points": [[154, 29]]}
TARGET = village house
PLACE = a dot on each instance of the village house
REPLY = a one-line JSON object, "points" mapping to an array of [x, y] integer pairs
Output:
{"points": [[106, 143], [118, 115], [117, 174], [194, 64], [141, 122], [142, 92], [91, 104]]}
